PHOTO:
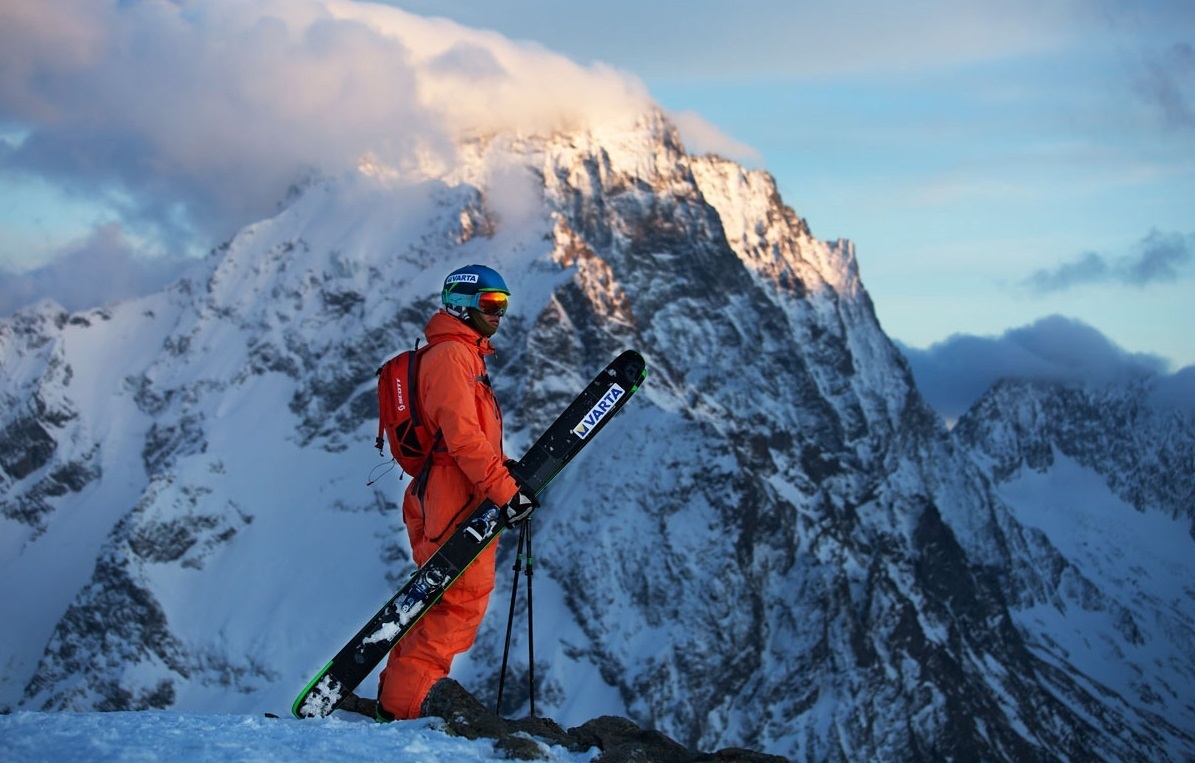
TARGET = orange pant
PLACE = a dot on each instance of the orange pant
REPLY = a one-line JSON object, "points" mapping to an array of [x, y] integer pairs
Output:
{"points": [[425, 655]]}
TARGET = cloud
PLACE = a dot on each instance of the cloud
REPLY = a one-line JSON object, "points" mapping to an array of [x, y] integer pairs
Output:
{"points": [[1158, 258], [193, 118], [954, 373], [702, 137], [1167, 82], [98, 270]]}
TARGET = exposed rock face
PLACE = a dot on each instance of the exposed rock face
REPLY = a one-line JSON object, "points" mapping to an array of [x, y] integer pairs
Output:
{"points": [[619, 740]]}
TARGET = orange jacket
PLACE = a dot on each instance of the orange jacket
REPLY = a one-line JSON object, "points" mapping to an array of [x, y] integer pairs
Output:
{"points": [[456, 400]]}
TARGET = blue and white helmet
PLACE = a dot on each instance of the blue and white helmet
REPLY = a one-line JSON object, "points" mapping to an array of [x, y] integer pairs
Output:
{"points": [[477, 287]]}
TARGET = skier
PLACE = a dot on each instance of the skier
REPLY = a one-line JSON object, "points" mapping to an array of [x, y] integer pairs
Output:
{"points": [[466, 468]]}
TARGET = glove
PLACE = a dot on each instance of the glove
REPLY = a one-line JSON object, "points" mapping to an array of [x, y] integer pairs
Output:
{"points": [[520, 507]]}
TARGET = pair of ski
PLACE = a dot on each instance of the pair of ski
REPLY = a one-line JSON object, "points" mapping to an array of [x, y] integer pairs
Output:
{"points": [[572, 430]]}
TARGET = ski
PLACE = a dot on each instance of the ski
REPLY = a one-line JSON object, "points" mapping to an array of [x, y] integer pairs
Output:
{"points": [[572, 430]]}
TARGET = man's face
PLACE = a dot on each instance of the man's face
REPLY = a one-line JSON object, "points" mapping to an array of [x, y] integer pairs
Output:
{"points": [[486, 325], [493, 320]]}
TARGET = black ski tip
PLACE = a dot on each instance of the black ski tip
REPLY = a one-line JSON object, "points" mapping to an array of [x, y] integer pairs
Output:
{"points": [[632, 364], [271, 715]]}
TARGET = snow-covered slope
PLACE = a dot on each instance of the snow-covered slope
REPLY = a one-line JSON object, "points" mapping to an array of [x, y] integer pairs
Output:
{"points": [[172, 737], [777, 546]]}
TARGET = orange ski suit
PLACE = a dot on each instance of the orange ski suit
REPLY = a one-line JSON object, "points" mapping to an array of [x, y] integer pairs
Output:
{"points": [[456, 400]]}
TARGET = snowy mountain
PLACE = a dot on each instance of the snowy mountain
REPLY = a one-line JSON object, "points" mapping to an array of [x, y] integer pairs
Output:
{"points": [[777, 546], [1102, 480]]}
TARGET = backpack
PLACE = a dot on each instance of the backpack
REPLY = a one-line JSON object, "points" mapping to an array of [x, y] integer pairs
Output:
{"points": [[411, 442]]}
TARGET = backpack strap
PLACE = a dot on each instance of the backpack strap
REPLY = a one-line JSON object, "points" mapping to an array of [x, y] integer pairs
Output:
{"points": [[421, 478]]}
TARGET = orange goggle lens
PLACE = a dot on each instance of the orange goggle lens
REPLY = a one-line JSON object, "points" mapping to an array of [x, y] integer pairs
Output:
{"points": [[492, 302]]}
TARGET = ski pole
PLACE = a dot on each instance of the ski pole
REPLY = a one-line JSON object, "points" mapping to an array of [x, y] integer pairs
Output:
{"points": [[514, 591], [530, 626]]}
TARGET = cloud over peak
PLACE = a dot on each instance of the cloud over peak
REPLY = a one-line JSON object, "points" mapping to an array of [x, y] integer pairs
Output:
{"points": [[954, 373], [215, 107]]}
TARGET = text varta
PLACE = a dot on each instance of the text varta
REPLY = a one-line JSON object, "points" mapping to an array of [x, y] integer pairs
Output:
{"points": [[598, 412]]}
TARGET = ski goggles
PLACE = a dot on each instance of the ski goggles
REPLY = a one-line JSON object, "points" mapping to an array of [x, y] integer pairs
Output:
{"points": [[491, 302], [488, 302]]}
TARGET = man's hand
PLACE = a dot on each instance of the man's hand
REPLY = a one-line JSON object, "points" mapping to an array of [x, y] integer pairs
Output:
{"points": [[520, 507]]}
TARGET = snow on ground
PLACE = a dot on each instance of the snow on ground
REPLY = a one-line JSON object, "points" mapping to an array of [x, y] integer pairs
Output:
{"points": [[155, 735]]}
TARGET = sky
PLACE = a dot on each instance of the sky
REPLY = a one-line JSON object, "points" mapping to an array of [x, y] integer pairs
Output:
{"points": [[1005, 169]]}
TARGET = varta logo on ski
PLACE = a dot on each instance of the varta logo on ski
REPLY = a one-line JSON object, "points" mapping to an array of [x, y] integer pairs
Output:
{"points": [[598, 412]]}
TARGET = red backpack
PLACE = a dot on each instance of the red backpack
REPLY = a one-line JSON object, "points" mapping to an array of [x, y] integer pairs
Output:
{"points": [[411, 442]]}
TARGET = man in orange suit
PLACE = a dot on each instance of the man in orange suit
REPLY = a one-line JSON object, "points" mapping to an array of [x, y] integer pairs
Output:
{"points": [[466, 467]]}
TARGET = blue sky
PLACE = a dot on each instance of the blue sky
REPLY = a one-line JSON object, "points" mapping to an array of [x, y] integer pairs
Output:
{"points": [[998, 164]]}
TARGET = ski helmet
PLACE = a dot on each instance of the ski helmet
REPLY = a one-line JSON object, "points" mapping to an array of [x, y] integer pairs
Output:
{"points": [[474, 287]]}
